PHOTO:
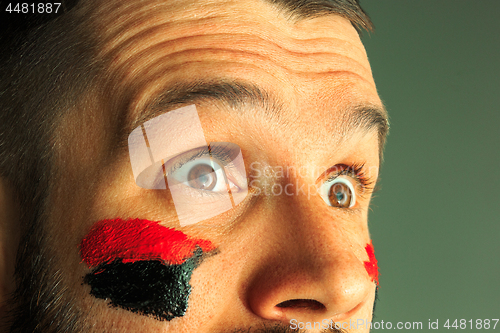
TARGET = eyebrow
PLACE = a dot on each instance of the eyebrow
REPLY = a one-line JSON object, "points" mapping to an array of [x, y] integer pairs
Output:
{"points": [[233, 94], [236, 94], [366, 117]]}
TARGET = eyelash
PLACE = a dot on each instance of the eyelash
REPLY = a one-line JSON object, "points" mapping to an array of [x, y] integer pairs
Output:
{"points": [[357, 172]]}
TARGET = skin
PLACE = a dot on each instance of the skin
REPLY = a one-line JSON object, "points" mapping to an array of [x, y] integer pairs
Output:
{"points": [[272, 249]]}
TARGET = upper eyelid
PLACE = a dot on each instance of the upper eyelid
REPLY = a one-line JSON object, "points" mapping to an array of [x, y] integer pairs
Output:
{"points": [[335, 176], [342, 171], [356, 172], [177, 165], [216, 151]]}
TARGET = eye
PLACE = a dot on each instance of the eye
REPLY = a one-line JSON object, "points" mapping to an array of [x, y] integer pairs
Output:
{"points": [[203, 174], [338, 192], [203, 182]]}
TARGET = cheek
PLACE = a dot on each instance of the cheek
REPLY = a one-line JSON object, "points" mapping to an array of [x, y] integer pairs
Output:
{"points": [[142, 266], [371, 266]]}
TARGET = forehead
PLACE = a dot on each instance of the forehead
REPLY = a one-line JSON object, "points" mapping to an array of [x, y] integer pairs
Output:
{"points": [[148, 45], [187, 17]]}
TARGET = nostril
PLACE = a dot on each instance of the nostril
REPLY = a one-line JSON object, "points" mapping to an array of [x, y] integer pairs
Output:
{"points": [[308, 304]]}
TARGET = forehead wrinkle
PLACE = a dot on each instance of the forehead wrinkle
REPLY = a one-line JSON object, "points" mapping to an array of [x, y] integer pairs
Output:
{"points": [[150, 64], [117, 21], [244, 31], [132, 32], [141, 71], [162, 25], [154, 59], [126, 14], [130, 53]]}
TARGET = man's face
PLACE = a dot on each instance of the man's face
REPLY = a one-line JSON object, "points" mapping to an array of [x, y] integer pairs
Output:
{"points": [[279, 255]]}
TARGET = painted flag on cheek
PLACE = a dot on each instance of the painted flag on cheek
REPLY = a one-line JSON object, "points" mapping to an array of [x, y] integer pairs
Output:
{"points": [[371, 266], [142, 266]]}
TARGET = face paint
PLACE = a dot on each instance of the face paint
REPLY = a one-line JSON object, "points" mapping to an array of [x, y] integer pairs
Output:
{"points": [[142, 266], [371, 266]]}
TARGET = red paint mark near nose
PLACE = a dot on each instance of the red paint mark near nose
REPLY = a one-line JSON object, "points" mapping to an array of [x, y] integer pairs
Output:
{"points": [[371, 266], [138, 240]]}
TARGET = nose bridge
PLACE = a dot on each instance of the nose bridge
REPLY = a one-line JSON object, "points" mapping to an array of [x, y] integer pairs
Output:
{"points": [[306, 228], [314, 268]]}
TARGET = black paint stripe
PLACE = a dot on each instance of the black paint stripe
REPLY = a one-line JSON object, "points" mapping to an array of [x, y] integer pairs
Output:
{"points": [[149, 288]]}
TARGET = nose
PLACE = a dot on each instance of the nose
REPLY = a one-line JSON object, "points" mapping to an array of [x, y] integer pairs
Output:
{"points": [[311, 267]]}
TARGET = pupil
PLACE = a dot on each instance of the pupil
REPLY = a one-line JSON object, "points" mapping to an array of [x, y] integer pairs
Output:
{"points": [[202, 177]]}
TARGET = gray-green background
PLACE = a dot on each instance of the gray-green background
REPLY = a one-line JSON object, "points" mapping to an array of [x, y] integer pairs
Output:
{"points": [[436, 221]]}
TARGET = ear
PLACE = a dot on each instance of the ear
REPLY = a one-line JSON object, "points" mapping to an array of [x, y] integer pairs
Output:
{"points": [[9, 242]]}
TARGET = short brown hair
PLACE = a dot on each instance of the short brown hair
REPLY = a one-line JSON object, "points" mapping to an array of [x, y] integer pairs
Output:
{"points": [[304, 9]]}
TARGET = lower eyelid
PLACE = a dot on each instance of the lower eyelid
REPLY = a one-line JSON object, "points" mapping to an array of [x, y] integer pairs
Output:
{"points": [[188, 191]]}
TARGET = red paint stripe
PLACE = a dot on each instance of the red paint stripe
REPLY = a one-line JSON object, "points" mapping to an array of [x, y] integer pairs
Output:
{"points": [[137, 240], [371, 266]]}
